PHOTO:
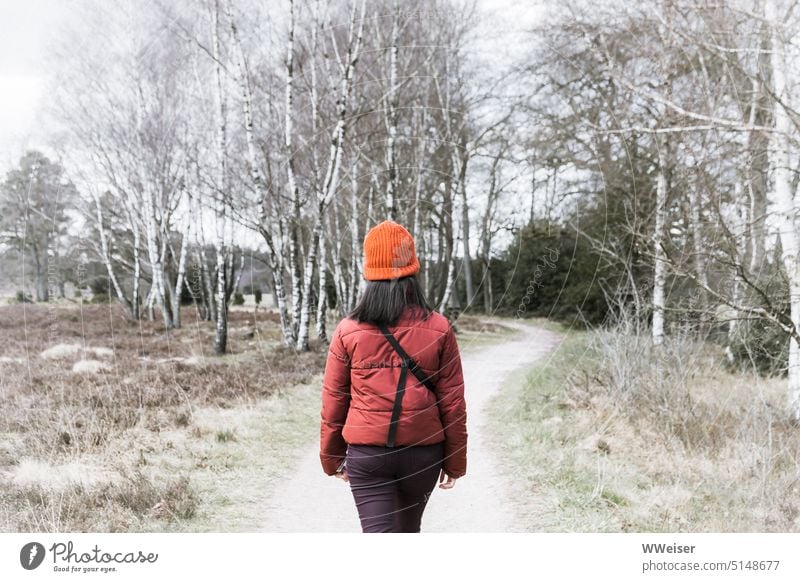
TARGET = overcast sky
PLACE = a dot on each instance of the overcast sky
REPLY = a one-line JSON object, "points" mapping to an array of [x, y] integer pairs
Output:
{"points": [[25, 27], [28, 26]]}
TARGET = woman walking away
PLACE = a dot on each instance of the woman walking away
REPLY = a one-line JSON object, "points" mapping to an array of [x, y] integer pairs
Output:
{"points": [[393, 409]]}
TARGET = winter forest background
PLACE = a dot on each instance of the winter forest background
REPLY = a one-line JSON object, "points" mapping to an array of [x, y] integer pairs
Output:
{"points": [[630, 168]]}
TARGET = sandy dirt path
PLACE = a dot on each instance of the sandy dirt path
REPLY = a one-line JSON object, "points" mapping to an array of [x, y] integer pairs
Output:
{"points": [[310, 501]]}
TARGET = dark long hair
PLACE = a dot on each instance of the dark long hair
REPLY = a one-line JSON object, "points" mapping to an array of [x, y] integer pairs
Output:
{"points": [[385, 301]]}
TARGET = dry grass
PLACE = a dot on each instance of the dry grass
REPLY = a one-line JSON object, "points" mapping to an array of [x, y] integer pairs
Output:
{"points": [[103, 447], [613, 434], [116, 506]]}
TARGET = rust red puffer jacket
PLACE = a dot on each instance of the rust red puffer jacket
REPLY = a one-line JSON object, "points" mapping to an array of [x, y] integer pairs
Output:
{"points": [[360, 381]]}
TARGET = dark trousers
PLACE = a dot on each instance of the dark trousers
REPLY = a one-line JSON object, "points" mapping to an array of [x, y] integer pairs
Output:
{"points": [[391, 486]]}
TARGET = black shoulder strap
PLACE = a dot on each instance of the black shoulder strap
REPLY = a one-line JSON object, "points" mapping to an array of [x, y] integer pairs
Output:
{"points": [[407, 361], [408, 364]]}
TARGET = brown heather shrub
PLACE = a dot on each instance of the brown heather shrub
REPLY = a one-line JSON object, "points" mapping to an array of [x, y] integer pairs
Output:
{"points": [[58, 410]]}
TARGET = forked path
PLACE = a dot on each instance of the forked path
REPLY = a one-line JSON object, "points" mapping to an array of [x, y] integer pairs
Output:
{"points": [[310, 501]]}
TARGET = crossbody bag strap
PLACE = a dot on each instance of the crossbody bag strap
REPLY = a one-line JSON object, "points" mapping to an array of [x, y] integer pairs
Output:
{"points": [[408, 364], [407, 361]]}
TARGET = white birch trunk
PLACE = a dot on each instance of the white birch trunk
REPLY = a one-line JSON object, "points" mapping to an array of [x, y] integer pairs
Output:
{"points": [[176, 296], [417, 220], [106, 257], [157, 287], [467, 260], [340, 280], [697, 239], [355, 240], [154, 256], [308, 274], [451, 279], [278, 282], [485, 240], [137, 268], [148, 302], [782, 195], [209, 302], [133, 224], [427, 262], [233, 271], [294, 223], [276, 260], [660, 267], [754, 219], [420, 163], [322, 302], [391, 122], [221, 327], [739, 232], [331, 180]]}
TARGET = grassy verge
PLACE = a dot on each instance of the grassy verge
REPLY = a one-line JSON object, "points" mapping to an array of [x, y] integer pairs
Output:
{"points": [[240, 455], [611, 435], [526, 417]]}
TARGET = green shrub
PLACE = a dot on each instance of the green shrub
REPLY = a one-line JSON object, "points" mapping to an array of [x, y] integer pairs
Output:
{"points": [[257, 295], [238, 298], [759, 344], [186, 292], [100, 286], [550, 274], [21, 297], [100, 298]]}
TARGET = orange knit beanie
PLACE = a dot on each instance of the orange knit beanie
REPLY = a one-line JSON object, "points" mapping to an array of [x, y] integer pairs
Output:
{"points": [[389, 252]]}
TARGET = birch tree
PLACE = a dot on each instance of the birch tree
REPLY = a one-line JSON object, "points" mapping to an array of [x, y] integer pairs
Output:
{"points": [[268, 210], [659, 236], [126, 134], [220, 210], [346, 65], [783, 191]]}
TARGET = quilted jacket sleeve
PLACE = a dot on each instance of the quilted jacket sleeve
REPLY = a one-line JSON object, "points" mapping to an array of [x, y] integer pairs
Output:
{"points": [[335, 404], [452, 406]]}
